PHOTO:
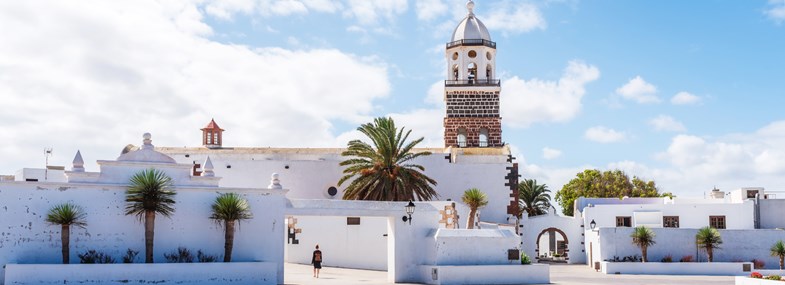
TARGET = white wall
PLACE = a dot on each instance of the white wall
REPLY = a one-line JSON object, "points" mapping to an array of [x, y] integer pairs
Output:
{"points": [[173, 273], [533, 226], [738, 245], [362, 246], [312, 171], [474, 247], [677, 268], [25, 237], [772, 212], [737, 215]]}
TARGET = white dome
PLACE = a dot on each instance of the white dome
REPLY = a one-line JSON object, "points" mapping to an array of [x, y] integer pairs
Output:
{"points": [[471, 28]]}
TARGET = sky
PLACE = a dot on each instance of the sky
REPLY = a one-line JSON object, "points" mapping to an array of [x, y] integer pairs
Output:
{"points": [[686, 93]]}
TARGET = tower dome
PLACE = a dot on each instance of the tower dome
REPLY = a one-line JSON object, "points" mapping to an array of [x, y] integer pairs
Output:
{"points": [[471, 28]]}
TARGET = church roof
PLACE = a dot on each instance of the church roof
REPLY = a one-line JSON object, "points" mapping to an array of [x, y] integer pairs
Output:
{"points": [[212, 126], [471, 28]]}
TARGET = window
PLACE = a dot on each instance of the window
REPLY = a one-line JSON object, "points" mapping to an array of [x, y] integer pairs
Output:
{"points": [[751, 194], [624, 221], [455, 72], [488, 72], [670, 221], [352, 220], [483, 137], [472, 72], [461, 137], [209, 137], [472, 54], [717, 222]]}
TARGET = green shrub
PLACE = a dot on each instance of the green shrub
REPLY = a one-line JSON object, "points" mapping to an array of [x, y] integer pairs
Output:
{"points": [[130, 256], [525, 260], [667, 258], [202, 257], [95, 257], [773, 277], [181, 255]]}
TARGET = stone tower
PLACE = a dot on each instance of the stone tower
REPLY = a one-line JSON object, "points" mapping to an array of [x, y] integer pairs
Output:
{"points": [[212, 135], [471, 90]]}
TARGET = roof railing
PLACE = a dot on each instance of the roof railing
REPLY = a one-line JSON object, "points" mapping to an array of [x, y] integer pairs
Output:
{"points": [[472, 42], [473, 82]]}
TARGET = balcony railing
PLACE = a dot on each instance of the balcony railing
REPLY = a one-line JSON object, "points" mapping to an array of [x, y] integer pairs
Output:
{"points": [[473, 82], [472, 42]]}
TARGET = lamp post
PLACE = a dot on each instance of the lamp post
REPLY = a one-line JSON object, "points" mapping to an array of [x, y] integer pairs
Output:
{"points": [[409, 211], [593, 224]]}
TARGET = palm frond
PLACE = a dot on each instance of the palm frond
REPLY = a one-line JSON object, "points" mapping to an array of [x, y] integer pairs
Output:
{"points": [[67, 214], [230, 207], [150, 190]]}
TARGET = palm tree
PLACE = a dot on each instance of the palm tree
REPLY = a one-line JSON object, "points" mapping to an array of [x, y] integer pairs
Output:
{"points": [[708, 238], [778, 249], [384, 171], [66, 215], [475, 199], [643, 237], [227, 209], [533, 198], [150, 193]]}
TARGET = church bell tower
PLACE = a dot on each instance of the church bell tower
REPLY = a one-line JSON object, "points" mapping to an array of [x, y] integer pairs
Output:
{"points": [[471, 90]]}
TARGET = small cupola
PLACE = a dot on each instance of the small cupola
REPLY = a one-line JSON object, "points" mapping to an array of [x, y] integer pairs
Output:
{"points": [[212, 135]]}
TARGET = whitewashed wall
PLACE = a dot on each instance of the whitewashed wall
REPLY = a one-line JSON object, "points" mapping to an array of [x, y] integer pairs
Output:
{"points": [[25, 238], [312, 171], [533, 226], [362, 246], [738, 245], [772, 213], [737, 215]]}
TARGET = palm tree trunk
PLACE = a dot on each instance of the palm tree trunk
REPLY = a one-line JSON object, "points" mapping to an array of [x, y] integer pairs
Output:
{"points": [[470, 223], [710, 253], [65, 238], [782, 261], [149, 234], [229, 240], [644, 253]]}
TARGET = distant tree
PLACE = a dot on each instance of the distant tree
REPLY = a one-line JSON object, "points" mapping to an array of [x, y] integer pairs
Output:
{"points": [[66, 215], [229, 208], [534, 199], [593, 183], [384, 172], [149, 193], [643, 238], [709, 239], [475, 199], [778, 250]]}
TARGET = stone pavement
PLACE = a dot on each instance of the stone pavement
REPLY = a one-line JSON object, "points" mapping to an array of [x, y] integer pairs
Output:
{"points": [[298, 274]]}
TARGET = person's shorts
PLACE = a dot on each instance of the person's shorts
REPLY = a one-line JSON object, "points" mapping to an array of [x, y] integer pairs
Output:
{"points": [[317, 265]]}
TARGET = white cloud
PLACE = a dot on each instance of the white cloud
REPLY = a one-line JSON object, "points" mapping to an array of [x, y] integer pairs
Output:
{"points": [[425, 123], [225, 9], [428, 10], [514, 17], [99, 83], [551, 153], [524, 102], [371, 12], [667, 123], [776, 11], [603, 134], [639, 91], [685, 98]]}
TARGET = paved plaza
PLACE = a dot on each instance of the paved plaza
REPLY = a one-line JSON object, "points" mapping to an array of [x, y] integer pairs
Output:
{"points": [[297, 274]]}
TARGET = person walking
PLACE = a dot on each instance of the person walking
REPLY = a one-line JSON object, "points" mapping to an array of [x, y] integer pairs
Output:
{"points": [[316, 260]]}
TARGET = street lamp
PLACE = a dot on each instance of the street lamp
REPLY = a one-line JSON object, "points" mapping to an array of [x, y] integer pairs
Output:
{"points": [[409, 211], [593, 224]]}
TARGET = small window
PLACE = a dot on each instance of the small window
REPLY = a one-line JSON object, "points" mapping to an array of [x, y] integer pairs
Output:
{"points": [[472, 72], [717, 222], [352, 221], [751, 194], [454, 56], [488, 55], [488, 74], [670, 221], [483, 137], [455, 72], [472, 54], [624, 222], [31, 180], [332, 191], [461, 137]]}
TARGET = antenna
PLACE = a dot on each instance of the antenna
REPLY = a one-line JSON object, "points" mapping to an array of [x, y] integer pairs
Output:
{"points": [[47, 154]]}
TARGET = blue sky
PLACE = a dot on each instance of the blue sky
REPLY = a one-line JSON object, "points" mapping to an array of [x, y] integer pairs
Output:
{"points": [[585, 83]]}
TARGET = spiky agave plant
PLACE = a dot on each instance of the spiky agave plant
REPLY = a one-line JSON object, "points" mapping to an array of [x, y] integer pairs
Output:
{"points": [[709, 239], [475, 199], [643, 238]]}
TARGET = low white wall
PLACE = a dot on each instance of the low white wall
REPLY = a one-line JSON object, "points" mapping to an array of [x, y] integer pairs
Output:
{"points": [[168, 273], [362, 246], [474, 247], [486, 274], [676, 268], [767, 272], [738, 245], [741, 280]]}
